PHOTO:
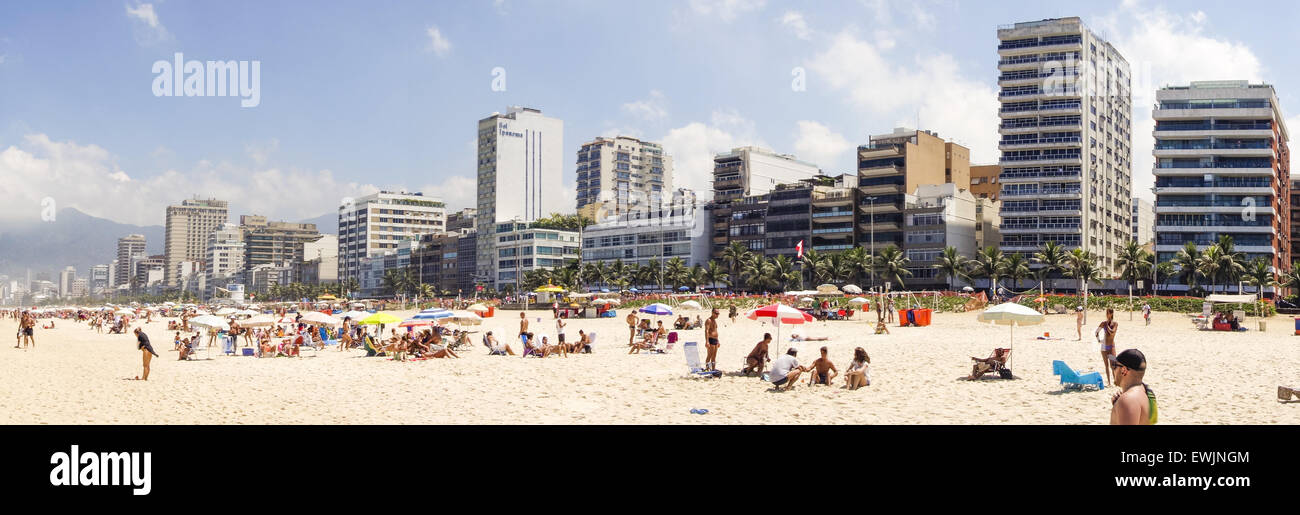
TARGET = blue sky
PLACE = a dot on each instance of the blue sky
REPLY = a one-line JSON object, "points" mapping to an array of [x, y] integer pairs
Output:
{"points": [[363, 95]]}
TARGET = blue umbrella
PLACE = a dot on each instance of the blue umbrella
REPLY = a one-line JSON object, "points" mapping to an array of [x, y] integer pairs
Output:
{"points": [[656, 309], [684, 288], [633, 290], [432, 314], [604, 290]]}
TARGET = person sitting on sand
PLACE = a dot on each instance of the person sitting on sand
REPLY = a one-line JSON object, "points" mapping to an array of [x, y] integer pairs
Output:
{"points": [[438, 350], [650, 342], [794, 337], [583, 344], [758, 357], [786, 370], [496, 348], [858, 375], [186, 349], [881, 328], [823, 371]]}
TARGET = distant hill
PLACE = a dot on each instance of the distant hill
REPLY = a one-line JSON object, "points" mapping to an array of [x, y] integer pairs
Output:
{"points": [[72, 239], [327, 223]]}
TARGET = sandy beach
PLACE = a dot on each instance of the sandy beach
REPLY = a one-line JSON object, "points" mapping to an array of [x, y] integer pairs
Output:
{"points": [[76, 376]]}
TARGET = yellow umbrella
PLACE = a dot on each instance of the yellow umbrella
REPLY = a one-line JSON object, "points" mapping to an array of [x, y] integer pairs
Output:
{"points": [[380, 318]]}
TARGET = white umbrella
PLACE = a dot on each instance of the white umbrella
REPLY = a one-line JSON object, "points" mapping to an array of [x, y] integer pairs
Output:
{"points": [[227, 311], [1011, 314], [126, 312], [852, 289], [211, 322], [477, 308], [356, 316], [258, 321], [858, 300], [318, 318], [466, 317], [807, 299], [690, 304], [603, 301]]}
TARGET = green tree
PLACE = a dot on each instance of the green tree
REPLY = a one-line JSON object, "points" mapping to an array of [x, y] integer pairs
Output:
{"points": [[892, 264], [734, 257], [1051, 259], [989, 264], [951, 266], [1188, 261], [1134, 263], [1259, 273], [715, 274], [1082, 266], [1016, 268]]}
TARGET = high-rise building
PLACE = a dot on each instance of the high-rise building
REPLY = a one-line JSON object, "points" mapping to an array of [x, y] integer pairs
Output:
{"points": [[616, 175], [1222, 169], [278, 243], [66, 277], [520, 173], [890, 167], [936, 217], [128, 248], [463, 219], [642, 236], [98, 282], [984, 181], [375, 224], [1295, 218], [466, 262], [1144, 221], [320, 261], [188, 227], [520, 247], [748, 174], [225, 258], [1066, 139]]}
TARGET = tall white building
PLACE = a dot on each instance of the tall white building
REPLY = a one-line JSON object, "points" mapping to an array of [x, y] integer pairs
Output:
{"points": [[98, 282], [1144, 221], [225, 257], [66, 277], [374, 224], [616, 175], [129, 248], [520, 172], [1066, 139], [188, 227]]}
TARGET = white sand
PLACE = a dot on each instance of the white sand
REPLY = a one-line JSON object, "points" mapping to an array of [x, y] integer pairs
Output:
{"points": [[76, 376]]}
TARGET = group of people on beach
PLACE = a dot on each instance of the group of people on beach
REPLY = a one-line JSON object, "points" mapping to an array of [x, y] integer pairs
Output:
{"points": [[786, 370]]}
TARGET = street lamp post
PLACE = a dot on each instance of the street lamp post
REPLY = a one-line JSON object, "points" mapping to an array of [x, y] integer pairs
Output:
{"points": [[871, 214]]}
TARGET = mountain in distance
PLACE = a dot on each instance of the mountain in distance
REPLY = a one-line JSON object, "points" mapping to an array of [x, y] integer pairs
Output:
{"points": [[72, 239], [327, 223]]}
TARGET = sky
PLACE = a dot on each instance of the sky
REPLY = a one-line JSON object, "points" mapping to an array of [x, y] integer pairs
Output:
{"points": [[355, 97]]}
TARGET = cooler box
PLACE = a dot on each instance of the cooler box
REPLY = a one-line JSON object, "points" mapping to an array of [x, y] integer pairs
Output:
{"points": [[903, 316], [1297, 326], [923, 316], [492, 310]]}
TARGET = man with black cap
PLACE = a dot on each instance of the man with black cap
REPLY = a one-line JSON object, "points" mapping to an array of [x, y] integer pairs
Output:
{"points": [[1135, 404]]}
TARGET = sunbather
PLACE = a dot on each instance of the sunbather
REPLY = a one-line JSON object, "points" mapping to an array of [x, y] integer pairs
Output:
{"points": [[985, 365], [858, 374], [496, 348], [797, 338], [881, 327]]}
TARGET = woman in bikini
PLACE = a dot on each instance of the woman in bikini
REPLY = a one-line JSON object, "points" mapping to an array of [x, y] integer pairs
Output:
{"points": [[858, 375], [1107, 343]]}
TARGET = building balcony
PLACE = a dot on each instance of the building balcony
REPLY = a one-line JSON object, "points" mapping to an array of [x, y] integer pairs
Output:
{"points": [[835, 232], [864, 226], [1041, 161], [879, 208], [1260, 113], [882, 189], [878, 171], [1252, 249], [1206, 152], [1042, 194], [1221, 190], [1016, 178], [1041, 143], [1198, 172], [1220, 228], [1041, 228], [832, 217], [831, 248], [837, 198], [1008, 50], [1264, 210]]}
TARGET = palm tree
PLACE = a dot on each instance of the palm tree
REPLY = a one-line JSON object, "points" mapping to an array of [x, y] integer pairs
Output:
{"points": [[715, 273], [734, 256], [1259, 273], [1134, 263], [1082, 265], [1232, 264], [634, 275], [1291, 279], [989, 263], [1164, 272], [814, 263], [759, 273], [654, 273], [1017, 268], [1051, 258], [783, 273], [840, 268], [617, 273], [675, 272], [694, 277], [394, 282], [951, 265], [860, 261], [1188, 261], [1210, 264], [892, 264]]}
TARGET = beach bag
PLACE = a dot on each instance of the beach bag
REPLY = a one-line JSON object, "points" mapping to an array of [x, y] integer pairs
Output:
{"points": [[1005, 373]]}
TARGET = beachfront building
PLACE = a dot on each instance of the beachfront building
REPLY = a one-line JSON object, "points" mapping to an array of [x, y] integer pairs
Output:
{"points": [[434, 262], [320, 261], [893, 165], [1144, 221], [188, 227], [465, 219], [373, 268], [936, 217], [66, 277], [641, 236], [984, 181], [742, 180], [1295, 218], [520, 247], [988, 223], [129, 248], [467, 262], [378, 223], [148, 272], [225, 258], [1066, 139], [620, 174], [1222, 169], [267, 242], [98, 281], [520, 175]]}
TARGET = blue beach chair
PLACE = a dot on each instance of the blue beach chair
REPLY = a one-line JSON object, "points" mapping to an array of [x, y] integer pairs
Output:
{"points": [[1072, 377]]}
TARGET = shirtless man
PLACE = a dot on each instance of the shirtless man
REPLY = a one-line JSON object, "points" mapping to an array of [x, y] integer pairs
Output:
{"points": [[28, 325], [711, 343], [631, 328], [1135, 404], [823, 371], [1078, 322], [1107, 344], [523, 328], [759, 356]]}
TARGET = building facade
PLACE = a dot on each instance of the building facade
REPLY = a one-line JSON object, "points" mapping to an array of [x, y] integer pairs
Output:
{"points": [[984, 181], [188, 227], [744, 177], [617, 175], [643, 236], [99, 277], [1222, 169], [1144, 221], [893, 165], [225, 259], [129, 248], [378, 223], [267, 242], [1066, 128], [520, 175], [936, 217], [520, 247]]}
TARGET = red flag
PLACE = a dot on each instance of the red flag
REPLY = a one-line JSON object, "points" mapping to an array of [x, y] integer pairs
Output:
{"points": [[799, 248]]}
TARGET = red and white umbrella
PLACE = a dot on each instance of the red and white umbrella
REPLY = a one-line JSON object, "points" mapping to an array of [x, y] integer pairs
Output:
{"points": [[780, 314], [416, 322]]}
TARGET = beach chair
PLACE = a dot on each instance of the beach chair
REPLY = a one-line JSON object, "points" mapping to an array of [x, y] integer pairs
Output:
{"points": [[529, 351], [995, 363], [1073, 378], [371, 349], [325, 338], [692, 350]]}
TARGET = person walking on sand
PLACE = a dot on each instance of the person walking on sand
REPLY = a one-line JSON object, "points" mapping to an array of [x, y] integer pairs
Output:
{"points": [[711, 341], [28, 325], [146, 350], [1107, 341], [631, 328], [1135, 404], [1078, 323], [1146, 312]]}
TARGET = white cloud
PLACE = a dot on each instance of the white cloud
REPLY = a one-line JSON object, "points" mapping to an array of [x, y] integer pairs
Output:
{"points": [[262, 151], [725, 10], [694, 145], [500, 7], [817, 144], [437, 43], [88, 178], [795, 21], [931, 88], [651, 109], [1165, 48], [148, 28]]}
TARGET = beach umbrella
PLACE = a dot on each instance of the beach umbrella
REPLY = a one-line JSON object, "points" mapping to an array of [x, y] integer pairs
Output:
{"points": [[656, 309], [415, 323], [382, 319], [478, 308], [780, 314], [807, 299], [602, 301], [226, 311], [126, 312], [967, 289], [1011, 314], [604, 290], [211, 322], [432, 314], [318, 318], [853, 289], [550, 288], [684, 288], [690, 304], [258, 321], [858, 300], [466, 317], [355, 315], [827, 288]]}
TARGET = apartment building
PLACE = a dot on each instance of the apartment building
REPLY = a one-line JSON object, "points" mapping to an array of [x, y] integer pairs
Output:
{"points": [[617, 175], [376, 224], [188, 227]]}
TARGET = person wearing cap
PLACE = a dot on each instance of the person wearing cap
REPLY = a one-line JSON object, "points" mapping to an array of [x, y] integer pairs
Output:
{"points": [[1135, 404], [786, 370]]}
